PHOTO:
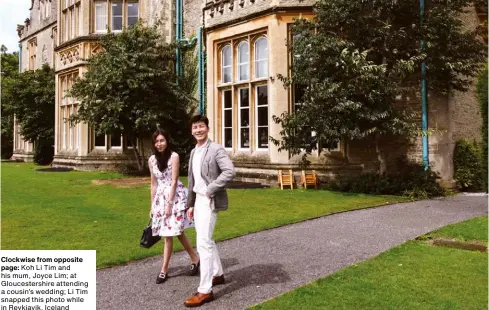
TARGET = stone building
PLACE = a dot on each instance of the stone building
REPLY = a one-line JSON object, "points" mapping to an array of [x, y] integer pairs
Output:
{"points": [[80, 24], [246, 49], [36, 47]]}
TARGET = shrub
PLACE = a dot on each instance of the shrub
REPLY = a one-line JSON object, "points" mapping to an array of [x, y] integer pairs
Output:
{"points": [[467, 165], [43, 152], [483, 101], [410, 179]]}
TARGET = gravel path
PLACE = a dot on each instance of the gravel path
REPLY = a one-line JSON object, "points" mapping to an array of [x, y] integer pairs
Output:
{"points": [[262, 265]]}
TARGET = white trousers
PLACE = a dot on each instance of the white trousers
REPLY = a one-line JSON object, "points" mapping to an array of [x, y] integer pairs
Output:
{"points": [[210, 263]]}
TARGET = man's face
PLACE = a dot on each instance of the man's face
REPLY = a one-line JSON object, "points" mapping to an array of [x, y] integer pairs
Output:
{"points": [[200, 131]]}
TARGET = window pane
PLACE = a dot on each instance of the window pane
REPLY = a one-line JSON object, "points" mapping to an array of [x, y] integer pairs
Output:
{"points": [[244, 117], [245, 137], [261, 68], [116, 23], [227, 75], [115, 139], [261, 49], [228, 118], [263, 116], [262, 95], [227, 99], [133, 9], [99, 140], [100, 15], [132, 13], [263, 137], [131, 21], [243, 53], [243, 72], [228, 137], [116, 16], [226, 56], [244, 97]]}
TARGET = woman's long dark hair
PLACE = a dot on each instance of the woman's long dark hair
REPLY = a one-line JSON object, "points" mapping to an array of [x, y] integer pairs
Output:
{"points": [[162, 157]]}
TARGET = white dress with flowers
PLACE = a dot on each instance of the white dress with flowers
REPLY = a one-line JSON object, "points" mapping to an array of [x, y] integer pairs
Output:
{"points": [[174, 224]]}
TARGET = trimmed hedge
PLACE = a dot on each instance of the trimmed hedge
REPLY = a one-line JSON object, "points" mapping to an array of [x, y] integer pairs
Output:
{"points": [[410, 179]]}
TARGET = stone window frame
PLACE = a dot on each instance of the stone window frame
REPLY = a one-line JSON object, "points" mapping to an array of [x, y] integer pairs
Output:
{"points": [[292, 99], [69, 133], [257, 61], [230, 66], [245, 63], [234, 87], [257, 126], [109, 15], [224, 109], [32, 50], [240, 108], [70, 20]]}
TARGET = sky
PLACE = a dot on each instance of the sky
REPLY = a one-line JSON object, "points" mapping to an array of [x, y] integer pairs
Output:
{"points": [[12, 13]]}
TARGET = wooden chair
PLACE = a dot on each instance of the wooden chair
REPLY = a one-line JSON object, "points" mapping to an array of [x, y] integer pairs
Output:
{"points": [[286, 178], [309, 178]]}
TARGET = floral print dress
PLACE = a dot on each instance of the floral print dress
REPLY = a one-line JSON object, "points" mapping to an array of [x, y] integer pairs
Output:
{"points": [[175, 224]]}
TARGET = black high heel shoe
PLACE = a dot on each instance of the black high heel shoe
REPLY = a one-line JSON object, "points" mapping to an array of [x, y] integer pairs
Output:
{"points": [[161, 278], [194, 268]]}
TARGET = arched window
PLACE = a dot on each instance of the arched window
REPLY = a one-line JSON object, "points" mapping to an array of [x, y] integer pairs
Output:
{"points": [[243, 61], [261, 57], [227, 64]]}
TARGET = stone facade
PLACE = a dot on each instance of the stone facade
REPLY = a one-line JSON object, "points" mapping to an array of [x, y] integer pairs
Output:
{"points": [[78, 147], [228, 22], [68, 36], [36, 47]]}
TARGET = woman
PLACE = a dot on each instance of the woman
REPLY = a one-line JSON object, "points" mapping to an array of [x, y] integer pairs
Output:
{"points": [[168, 202]]}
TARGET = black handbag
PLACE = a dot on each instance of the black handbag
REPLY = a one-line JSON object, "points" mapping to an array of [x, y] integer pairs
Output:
{"points": [[147, 239]]}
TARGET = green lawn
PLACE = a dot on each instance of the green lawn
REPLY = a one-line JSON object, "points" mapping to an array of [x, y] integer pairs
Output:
{"points": [[471, 230], [63, 210], [415, 275]]}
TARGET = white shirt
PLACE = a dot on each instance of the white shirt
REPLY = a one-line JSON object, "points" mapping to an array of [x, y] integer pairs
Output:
{"points": [[199, 184]]}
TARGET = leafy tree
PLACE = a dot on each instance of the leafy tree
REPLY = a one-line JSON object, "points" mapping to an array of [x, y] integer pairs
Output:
{"points": [[131, 87], [356, 57], [9, 69], [30, 96]]}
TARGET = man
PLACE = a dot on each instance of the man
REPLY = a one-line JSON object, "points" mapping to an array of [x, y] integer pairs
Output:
{"points": [[210, 170]]}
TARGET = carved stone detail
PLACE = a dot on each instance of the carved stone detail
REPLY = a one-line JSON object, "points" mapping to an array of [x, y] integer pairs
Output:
{"points": [[70, 55]]}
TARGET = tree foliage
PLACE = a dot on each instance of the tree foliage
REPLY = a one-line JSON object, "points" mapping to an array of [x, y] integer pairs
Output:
{"points": [[30, 96], [9, 69], [131, 87], [356, 57]]}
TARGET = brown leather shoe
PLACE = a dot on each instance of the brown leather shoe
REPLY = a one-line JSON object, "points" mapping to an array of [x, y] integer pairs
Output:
{"points": [[218, 280], [199, 299]]}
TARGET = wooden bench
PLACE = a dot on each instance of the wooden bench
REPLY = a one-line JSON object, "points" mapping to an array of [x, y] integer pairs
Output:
{"points": [[309, 178], [286, 178]]}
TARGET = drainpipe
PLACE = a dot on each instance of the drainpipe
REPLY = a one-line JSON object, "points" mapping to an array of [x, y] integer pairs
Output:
{"points": [[201, 73], [424, 99]]}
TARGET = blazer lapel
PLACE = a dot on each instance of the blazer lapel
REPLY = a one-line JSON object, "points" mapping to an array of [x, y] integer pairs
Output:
{"points": [[204, 154]]}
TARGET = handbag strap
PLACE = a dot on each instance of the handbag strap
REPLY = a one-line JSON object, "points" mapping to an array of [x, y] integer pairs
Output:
{"points": [[149, 222]]}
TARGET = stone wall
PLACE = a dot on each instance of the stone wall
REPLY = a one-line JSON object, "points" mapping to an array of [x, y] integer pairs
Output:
{"points": [[224, 11], [192, 15], [162, 11]]}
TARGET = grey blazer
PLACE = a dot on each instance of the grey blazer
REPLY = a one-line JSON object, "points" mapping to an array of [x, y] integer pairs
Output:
{"points": [[217, 171]]}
